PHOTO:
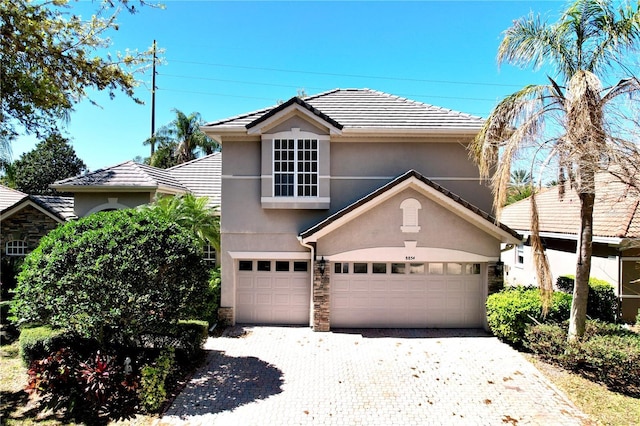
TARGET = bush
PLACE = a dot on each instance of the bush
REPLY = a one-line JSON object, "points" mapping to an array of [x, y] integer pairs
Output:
{"points": [[607, 353], [510, 311], [192, 335], [39, 342], [93, 389], [113, 276], [602, 302], [153, 381], [210, 310]]}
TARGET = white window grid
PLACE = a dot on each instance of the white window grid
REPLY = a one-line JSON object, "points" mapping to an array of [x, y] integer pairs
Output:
{"points": [[210, 253], [15, 248], [295, 167]]}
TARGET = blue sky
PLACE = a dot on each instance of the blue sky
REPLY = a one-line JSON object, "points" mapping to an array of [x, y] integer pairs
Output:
{"points": [[226, 58]]}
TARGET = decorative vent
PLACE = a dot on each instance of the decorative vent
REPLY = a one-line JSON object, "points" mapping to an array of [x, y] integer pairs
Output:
{"points": [[410, 208]]}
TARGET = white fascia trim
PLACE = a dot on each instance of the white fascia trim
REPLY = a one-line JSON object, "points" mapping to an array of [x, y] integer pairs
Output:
{"points": [[36, 206], [291, 110], [573, 237], [413, 131], [404, 254], [267, 255], [432, 194]]}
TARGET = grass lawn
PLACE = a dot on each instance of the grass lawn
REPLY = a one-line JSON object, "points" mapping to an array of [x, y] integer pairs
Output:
{"points": [[599, 403]]}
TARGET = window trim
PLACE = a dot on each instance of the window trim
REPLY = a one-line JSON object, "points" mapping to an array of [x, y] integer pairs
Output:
{"points": [[15, 248], [268, 198], [519, 253]]}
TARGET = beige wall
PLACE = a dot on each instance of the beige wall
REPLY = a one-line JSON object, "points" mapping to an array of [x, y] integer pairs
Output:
{"points": [[381, 226], [84, 203]]}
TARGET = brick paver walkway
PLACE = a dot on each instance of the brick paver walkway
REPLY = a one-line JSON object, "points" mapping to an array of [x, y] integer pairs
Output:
{"points": [[293, 376]]}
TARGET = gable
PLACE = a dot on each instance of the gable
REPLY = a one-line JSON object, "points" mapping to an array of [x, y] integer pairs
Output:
{"points": [[429, 225], [453, 204]]}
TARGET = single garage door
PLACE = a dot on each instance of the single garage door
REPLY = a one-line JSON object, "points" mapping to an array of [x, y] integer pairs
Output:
{"points": [[272, 292], [442, 295]]}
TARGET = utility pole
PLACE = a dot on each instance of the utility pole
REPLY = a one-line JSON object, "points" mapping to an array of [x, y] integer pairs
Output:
{"points": [[153, 101]]}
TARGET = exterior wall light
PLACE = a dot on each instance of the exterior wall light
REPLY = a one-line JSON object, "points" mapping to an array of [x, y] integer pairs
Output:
{"points": [[322, 265]]}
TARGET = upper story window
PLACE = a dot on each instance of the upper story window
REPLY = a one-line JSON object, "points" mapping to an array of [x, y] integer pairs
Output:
{"points": [[295, 167], [16, 248]]}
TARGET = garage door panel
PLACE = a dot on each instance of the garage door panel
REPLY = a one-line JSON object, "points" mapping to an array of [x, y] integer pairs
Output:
{"points": [[272, 297]]}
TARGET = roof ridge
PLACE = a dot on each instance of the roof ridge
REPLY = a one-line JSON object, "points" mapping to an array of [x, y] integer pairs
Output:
{"points": [[192, 161]]}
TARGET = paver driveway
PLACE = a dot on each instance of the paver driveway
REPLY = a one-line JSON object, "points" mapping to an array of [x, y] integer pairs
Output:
{"points": [[291, 376]]}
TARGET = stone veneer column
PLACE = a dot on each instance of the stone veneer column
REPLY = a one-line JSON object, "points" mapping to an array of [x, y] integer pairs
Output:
{"points": [[321, 286], [225, 316], [495, 281]]}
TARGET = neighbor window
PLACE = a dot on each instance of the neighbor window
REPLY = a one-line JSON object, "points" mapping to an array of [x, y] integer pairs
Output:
{"points": [[210, 253], [520, 255], [16, 248], [295, 167]]}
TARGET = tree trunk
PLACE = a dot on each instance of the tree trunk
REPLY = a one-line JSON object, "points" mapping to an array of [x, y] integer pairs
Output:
{"points": [[578, 318]]}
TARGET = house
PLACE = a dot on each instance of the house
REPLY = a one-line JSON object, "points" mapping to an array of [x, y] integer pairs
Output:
{"points": [[27, 218], [24, 219], [355, 208], [616, 233], [132, 184]]}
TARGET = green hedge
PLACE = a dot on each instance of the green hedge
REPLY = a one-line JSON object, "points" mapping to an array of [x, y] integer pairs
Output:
{"points": [[602, 303], [510, 311], [113, 276], [606, 354], [39, 342]]}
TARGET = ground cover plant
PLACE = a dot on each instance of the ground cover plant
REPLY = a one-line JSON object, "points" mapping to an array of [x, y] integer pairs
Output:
{"points": [[113, 290]]}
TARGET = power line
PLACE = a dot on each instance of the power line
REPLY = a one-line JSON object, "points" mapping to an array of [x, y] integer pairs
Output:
{"points": [[344, 75], [272, 100], [316, 88]]}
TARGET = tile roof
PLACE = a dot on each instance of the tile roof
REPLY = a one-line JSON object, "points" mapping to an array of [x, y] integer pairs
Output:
{"points": [[127, 174], [616, 211], [397, 181], [9, 197], [61, 206], [367, 109], [202, 176]]}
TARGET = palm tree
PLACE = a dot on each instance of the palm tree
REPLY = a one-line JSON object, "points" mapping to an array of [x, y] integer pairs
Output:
{"points": [[181, 139], [191, 212], [520, 186], [574, 124]]}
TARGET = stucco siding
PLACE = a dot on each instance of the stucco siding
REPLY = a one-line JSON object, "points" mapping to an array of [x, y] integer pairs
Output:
{"points": [[84, 203], [381, 227]]}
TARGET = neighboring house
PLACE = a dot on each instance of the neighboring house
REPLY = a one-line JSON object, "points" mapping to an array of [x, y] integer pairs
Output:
{"points": [[131, 184], [24, 219], [616, 238], [355, 208]]}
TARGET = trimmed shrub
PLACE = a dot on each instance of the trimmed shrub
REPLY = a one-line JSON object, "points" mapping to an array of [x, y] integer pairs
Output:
{"points": [[192, 334], [510, 311], [153, 381], [210, 310], [547, 340], [38, 342], [113, 276], [607, 353], [602, 302]]}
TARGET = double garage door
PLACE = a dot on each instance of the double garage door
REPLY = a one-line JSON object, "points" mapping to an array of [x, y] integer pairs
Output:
{"points": [[407, 295], [363, 294]]}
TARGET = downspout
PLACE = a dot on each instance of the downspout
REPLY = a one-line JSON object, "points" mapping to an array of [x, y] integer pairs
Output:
{"points": [[313, 272]]}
